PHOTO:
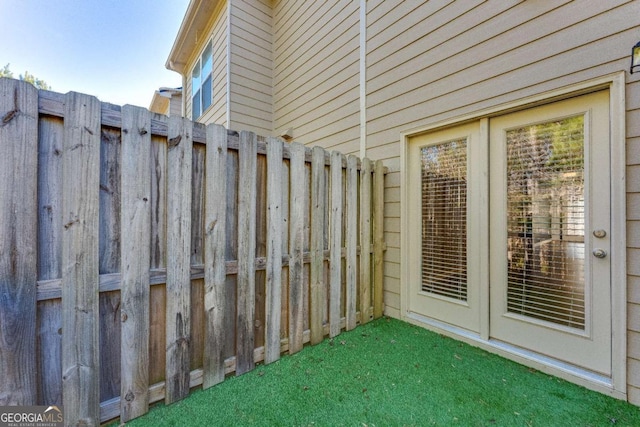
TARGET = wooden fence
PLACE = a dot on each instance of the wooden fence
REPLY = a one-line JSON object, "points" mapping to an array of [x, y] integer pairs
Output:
{"points": [[142, 256]]}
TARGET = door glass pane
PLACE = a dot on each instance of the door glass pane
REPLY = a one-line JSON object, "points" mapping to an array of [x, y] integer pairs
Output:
{"points": [[545, 211], [444, 219]]}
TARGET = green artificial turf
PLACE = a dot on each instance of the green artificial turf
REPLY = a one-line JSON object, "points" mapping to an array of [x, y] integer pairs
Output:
{"points": [[389, 373]]}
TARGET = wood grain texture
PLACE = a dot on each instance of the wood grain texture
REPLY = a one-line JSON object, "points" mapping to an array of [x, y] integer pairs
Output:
{"points": [[316, 283], [49, 315], [246, 253], [215, 296], [18, 245], [80, 264], [351, 242], [136, 255], [296, 247], [365, 241], [335, 239], [378, 239], [109, 253], [178, 289], [274, 250]]}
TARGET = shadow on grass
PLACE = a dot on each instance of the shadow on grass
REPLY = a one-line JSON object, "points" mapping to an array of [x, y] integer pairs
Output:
{"points": [[389, 373]]}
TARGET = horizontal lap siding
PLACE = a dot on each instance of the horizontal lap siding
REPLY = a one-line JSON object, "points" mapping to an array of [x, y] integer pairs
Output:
{"points": [[217, 32], [316, 81], [251, 67], [633, 237]]}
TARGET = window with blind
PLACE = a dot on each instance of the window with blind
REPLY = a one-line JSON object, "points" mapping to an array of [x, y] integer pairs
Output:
{"points": [[201, 83], [444, 219], [546, 221]]}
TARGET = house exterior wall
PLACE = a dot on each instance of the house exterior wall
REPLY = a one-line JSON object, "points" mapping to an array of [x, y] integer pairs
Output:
{"points": [[316, 72], [251, 97], [217, 32]]}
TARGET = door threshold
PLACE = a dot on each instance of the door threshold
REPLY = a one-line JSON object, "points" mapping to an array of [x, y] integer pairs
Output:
{"points": [[548, 365]]}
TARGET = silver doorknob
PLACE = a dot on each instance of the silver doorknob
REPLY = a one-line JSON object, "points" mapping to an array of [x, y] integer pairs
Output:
{"points": [[599, 253]]}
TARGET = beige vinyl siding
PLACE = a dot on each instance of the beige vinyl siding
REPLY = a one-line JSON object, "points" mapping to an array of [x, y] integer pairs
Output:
{"points": [[251, 67], [433, 61], [316, 74], [217, 32], [633, 238]]}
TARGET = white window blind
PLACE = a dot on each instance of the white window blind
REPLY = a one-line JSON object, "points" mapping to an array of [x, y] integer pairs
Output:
{"points": [[444, 219], [545, 210]]}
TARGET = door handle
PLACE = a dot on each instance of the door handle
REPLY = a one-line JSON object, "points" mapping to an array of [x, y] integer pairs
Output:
{"points": [[599, 253]]}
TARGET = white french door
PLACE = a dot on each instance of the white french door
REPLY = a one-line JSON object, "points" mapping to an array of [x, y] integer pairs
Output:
{"points": [[444, 232], [550, 231], [538, 277]]}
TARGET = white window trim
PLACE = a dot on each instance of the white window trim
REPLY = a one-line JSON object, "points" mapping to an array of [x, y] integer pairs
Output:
{"points": [[617, 385]]}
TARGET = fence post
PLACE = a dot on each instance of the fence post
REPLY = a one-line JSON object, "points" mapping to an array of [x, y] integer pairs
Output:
{"points": [[178, 326], [80, 321], [135, 213], [19, 231]]}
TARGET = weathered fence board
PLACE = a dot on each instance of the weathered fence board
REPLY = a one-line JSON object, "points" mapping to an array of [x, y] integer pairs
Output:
{"points": [[317, 245], [80, 264], [18, 247], [164, 255], [296, 248], [351, 241], [246, 252], [136, 255], [49, 314], [274, 250], [178, 323], [365, 241], [378, 239], [215, 298], [335, 283]]}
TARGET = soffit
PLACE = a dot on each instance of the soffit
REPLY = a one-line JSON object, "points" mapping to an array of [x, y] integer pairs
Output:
{"points": [[192, 29]]}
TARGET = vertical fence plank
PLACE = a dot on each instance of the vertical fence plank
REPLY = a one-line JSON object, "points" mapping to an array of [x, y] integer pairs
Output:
{"points": [[109, 261], [378, 239], [215, 300], [158, 237], [365, 241], [179, 164], [80, 323], [49, 316], [18, 245], [135, 259], [335, 284], [274, 250], [245, 338], [296, 247], [351, 241], [317, 245]]}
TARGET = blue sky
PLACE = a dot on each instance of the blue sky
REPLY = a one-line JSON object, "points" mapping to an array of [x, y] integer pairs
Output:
{"points": [[113, 49]]}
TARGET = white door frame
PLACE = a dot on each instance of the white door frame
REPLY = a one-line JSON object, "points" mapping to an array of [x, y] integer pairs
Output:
{"points": [[616, 385]]}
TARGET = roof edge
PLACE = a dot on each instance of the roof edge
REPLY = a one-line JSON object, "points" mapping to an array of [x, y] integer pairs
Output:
{"points": [[194, 22]]}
